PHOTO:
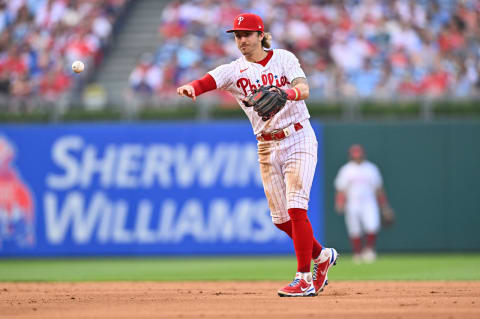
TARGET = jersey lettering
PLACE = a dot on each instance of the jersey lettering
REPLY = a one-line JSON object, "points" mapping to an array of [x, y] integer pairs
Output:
{"points": [[243, 83], [241, 77], [267, 79]]}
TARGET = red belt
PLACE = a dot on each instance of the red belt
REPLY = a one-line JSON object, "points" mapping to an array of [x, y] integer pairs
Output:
{"points": [[278, 134]]}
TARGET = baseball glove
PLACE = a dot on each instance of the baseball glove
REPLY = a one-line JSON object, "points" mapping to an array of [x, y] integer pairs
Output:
{"points": [[388, 216], [266, 101]]}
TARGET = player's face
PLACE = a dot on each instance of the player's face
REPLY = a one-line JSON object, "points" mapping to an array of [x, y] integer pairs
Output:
{"points": [[357, 154], [248, 41], [357, 157]]}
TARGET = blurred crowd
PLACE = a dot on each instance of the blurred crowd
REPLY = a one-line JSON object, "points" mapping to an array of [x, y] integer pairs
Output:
{"points": [[380, 49], [39, 40]]}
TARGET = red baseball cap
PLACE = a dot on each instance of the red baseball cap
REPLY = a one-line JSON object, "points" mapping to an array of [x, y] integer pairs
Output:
{"points": [[247, 22]]}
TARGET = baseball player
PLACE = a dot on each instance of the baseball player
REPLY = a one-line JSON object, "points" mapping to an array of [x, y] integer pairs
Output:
{"points": [[270, 86], [359, 190]]}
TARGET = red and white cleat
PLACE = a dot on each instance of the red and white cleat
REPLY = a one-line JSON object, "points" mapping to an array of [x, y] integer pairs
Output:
{"points": [[321, 265], [301, 286]]}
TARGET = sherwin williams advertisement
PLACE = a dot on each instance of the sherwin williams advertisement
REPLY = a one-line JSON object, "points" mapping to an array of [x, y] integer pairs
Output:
{"points": [[136, 189]]}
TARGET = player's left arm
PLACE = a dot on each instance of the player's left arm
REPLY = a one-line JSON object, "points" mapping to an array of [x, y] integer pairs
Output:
{"points": [[381, 196], [299, 91], [388, 215], [376, 181]]}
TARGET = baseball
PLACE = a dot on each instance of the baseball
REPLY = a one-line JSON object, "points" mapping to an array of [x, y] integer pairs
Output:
{"points": [[78, 66]]}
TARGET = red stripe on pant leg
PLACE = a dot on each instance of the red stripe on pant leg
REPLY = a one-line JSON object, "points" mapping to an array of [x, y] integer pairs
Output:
{"points": [[302, 235], [287, 228]]}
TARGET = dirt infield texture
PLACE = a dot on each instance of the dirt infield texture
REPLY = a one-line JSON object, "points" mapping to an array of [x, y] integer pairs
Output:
{"points": [[373, 299]]}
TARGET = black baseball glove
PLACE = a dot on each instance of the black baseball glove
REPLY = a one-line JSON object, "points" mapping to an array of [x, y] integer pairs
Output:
{"points": [[266, 101]]}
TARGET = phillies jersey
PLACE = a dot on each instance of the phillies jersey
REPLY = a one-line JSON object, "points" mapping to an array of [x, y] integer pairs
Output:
{"points": [[241, 77], [360, 182]]}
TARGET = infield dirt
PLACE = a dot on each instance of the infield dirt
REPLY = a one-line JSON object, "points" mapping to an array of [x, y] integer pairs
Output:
{"points": [[372, 299]]}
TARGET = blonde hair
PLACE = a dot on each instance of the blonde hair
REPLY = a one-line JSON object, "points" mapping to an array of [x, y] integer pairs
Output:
{"points": [[267, 40]]}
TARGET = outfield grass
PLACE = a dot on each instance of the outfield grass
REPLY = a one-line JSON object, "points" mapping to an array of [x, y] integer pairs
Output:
{"points": [[388, 267]]}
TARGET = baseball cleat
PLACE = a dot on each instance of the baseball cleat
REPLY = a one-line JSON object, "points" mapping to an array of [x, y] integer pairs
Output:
{"points": [[301, 286], [369, 255], [321, 265]]}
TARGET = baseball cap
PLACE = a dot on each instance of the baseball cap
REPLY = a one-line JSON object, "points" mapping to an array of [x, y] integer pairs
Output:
{"points": [[247, 22]]}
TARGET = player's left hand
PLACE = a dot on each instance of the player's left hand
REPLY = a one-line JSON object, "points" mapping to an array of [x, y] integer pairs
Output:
{"points": [[266, 101], [340, 200], [388, 215], [340, 210]]}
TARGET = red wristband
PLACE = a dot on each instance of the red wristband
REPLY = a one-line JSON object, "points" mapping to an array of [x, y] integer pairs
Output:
{"points": [[293, 94]]}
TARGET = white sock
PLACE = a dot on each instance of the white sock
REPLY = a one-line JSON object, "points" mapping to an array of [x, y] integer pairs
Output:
{"points": [[307, 276]]}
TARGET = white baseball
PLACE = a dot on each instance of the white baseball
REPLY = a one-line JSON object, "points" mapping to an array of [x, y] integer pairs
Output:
{"points": [[78, 66]]}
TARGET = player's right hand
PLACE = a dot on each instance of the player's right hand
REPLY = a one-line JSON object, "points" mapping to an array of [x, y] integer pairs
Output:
{"points": [[340, 200], [187, 90], [340, 209]]}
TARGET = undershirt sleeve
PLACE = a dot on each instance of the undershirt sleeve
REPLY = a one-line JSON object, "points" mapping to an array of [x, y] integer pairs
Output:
{"points": [[205, 84]]}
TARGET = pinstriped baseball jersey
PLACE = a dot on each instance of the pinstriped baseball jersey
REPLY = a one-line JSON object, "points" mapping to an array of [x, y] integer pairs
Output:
{"points": [[287, 166], [240, 77]]}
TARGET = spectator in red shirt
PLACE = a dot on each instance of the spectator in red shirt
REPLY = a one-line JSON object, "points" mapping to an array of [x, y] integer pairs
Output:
{"points": [[434, 84], [14, 63], [53, 84], [452, 38]]}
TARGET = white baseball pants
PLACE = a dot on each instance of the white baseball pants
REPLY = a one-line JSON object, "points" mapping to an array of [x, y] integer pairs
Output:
{"points": [[287, 167]]}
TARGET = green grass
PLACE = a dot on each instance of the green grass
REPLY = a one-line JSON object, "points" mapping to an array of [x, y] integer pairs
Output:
{"points": [[388, 267]]}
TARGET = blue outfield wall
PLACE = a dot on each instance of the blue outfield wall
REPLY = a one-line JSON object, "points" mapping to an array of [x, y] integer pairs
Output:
{"points": [[138, 189]]}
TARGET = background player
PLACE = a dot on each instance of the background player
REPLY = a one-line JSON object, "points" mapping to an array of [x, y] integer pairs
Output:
{"points": [[359, 188], [287, 146]]}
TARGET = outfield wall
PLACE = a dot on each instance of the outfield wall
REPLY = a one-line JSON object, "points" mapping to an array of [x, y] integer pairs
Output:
{"points": [[432, 177], [191, 189]]}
